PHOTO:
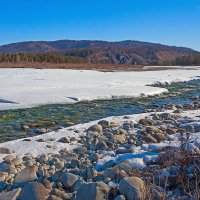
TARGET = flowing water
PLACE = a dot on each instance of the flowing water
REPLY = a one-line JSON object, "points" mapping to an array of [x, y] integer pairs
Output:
{"points": [[54, 117]]}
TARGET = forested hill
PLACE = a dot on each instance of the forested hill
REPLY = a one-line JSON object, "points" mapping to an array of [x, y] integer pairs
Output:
{"points": [[92, 52]]}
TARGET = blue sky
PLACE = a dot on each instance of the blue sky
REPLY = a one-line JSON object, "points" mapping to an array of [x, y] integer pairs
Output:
{"points": [[173, 22]]}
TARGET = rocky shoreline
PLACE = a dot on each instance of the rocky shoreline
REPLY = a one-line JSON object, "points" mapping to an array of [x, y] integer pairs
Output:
{"points": [[152, 156]]}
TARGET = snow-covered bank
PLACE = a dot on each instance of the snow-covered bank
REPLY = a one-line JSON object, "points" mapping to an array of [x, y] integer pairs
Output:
{"points": [[21, 88], [50, 141]]}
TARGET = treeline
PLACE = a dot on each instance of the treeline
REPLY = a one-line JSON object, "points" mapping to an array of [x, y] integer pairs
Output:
{"points": [[50, 57], [187, 60]]}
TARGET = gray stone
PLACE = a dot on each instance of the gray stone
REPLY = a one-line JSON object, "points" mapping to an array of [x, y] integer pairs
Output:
{"points": [[60, 194], [104, 123], [3, 176], [77, 184], [26, 175], [132, 188], [11, 195], [80, 150], [146, 122], [43, 158], [4, 167], [53, 197], [9, 157], [101, 145], [121, 138], [93, 191], [160, 137], [120, 197], [90, 173], [95, 128], [75, 162], [59, 165], [4, 150], [64, 140], [33, 191], [197, 129], [17, 161], [93, 157], [68, 179]]}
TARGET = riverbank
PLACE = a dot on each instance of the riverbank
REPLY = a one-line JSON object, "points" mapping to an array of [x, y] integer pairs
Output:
{"points": [[105, 155]]}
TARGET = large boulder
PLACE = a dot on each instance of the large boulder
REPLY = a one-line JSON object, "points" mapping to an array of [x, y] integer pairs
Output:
{"points": [[68, 179], [133, 188], [11, 195], [26, 175], [93, 191], [33, 191]]}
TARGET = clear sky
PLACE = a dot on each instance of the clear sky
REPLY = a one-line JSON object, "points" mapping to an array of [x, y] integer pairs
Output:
{"points": [[173, 22]]}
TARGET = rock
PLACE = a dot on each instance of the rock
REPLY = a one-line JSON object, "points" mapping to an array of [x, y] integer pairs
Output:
{"points": [[40, 140], [9, 157], [52, 197], [68, 179], [59, 165], [93, 157], [3, 176], [171, 106], [149, 139], [78, 184], [166, 115], [178, 111], [43, 158], [101, 145], [80, 150], [146, 122], [56, 176], [121, 138], [104, 123], [64, 140], [75, 162], [28, 163], [47, 184], [95, 128], [125, 166], [73, 139], [152, 129], [2, 185], [160, 137], [120, 197], [25, 127], [17, 161], [26, 175], [93, 191], [11, 195], [197, 129], [90, 173], [171, 131], [41, 130], [4, 150], [132, 188], [33, 191], [61, 194], [4, 167], [189, 128]]}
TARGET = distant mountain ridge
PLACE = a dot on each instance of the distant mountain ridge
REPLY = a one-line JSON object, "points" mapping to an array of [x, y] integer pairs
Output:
{"points": [[104, 52]]}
